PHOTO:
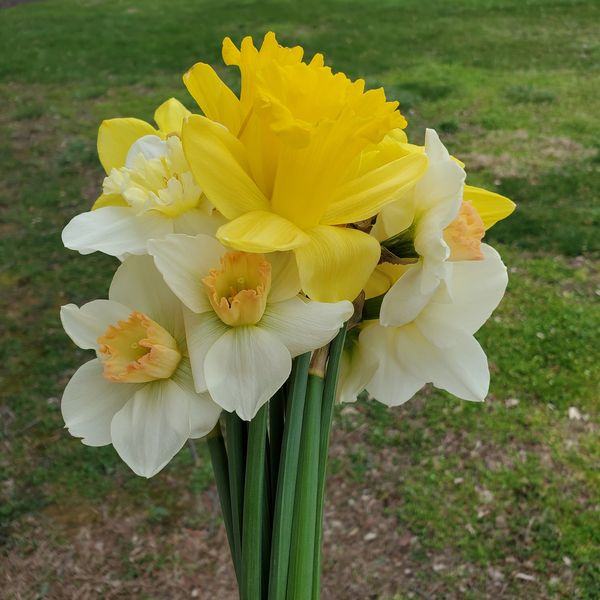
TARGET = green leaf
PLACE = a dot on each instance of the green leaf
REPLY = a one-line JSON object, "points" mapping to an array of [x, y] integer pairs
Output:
{"points": [[286, 480]]}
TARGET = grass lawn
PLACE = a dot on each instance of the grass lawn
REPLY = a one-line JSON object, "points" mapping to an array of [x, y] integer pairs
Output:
{"points": [[436, 499]]}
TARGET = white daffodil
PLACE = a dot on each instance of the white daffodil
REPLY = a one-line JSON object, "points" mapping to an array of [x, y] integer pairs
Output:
{"points": [[395, 359], [138, 394], [246, 320], [149, 190]]}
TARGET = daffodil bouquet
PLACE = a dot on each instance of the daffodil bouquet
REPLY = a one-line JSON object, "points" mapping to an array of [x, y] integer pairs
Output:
{"points": [[279, 242]]}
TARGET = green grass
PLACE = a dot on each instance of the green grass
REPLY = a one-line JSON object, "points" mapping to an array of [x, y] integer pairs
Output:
{"points": [[512, 87]]}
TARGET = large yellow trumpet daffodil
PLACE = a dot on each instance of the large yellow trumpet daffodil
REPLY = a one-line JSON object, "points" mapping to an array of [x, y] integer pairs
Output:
{"points": [[300, 154]]}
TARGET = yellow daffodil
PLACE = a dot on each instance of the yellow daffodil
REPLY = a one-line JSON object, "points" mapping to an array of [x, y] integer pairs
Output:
{"points": [[300, 154]]}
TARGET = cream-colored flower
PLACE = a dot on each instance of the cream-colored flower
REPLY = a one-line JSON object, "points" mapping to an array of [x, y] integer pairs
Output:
{"points": [[245, 319], [149, 190], [138, 394], [393, 360]]}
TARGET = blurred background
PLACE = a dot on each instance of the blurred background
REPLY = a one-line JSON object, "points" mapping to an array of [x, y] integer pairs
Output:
{"points": [[439, 498]]}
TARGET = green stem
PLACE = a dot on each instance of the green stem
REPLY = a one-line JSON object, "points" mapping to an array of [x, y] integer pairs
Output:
{"points": [[305, 508], [236, 454], [254, 506], [276, 426], [286, 480], [218, 456], [329, 394]]}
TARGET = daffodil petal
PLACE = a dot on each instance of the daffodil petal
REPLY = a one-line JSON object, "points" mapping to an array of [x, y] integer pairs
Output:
{"points": [[204, 413], [139, 284], [202, 331], [219, 165], [285, 281], [357, 368], [262, 231], [195, 221], [183, 261], [170, 115], [475, 289], [152, 427], [109, 200], [244, 368], [406, 298], [391, 383], [215, 99], [491, 207], [461, 369], [86, 324], [116, 136], [304, 326], [336, 263], [365, 196], [90, 402], [114, 230]]}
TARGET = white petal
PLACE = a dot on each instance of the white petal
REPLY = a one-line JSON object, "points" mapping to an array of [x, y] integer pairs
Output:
{"points": [[395, 217], [435, 150], [90, 402], [285, 280], [152, 427], [183, 261], [244, 368], [392, 382], [441, 189], [149, 146], [304, 326], [114, 230], [204, 413], [461, 369], [475, 290], [138, 284], [357, 368], [202, 331], [405, 299], [84, 325], [195, 221]]}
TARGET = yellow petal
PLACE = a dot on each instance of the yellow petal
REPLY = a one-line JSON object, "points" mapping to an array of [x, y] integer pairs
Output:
{"points": [[215, 99], [336, 263], [491, 207], [109, 200], [261, 231], [219, 165], [170, 115], [365, 196], [116, 136], [383, 278]]}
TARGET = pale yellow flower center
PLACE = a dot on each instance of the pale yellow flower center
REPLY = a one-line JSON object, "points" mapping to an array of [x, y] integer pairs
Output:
{"points": [[464, 234], [164, 184], [137, 350], [238, 291]]}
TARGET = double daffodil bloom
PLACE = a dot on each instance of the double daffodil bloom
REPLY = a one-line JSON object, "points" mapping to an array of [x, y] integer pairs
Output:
{"points": [[393, 359], [300, 154], [245, 320], [138, 394], [149, 190]]}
